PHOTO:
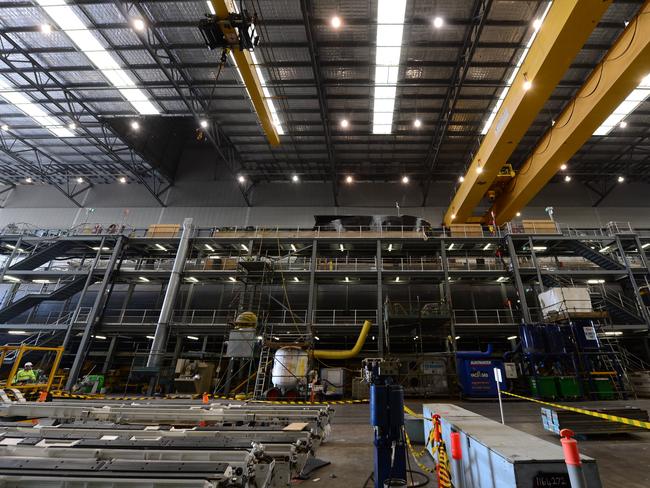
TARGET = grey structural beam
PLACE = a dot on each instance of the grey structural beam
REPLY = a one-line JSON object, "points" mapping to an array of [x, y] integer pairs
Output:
{"points": [[381, 339], [93, 316], [42, 81], [157, 47], [307, 12], [159, 343], [447, 290], [313, 290]]}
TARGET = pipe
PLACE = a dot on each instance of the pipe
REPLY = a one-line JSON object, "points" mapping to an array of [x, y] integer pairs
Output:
{"points": [[349, 353]]}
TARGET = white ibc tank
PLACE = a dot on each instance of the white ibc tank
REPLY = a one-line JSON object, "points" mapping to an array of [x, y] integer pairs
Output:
{"points": [[289, 367]]}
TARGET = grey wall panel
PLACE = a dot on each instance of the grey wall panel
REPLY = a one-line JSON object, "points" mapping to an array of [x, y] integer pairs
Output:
{"points": [[60, 218], [205, 193], [120, 195], [206, 216], [286, 216], [39, 196]]}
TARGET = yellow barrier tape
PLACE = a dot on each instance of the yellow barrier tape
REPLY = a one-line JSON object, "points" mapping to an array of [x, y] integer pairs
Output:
{"points": [[424, 468], [63, 394], [612, 418]]}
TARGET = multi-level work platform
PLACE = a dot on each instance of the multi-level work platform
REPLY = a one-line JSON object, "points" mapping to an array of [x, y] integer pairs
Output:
{"points": [[101, 291]]}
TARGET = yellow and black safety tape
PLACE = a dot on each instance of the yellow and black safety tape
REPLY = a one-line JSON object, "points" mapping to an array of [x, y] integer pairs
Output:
{"points": [[613, 418], [417, 455], [78, 396]]}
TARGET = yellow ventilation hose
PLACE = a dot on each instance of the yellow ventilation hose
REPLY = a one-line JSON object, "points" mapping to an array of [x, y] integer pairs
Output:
{"points": [[349, 353]]}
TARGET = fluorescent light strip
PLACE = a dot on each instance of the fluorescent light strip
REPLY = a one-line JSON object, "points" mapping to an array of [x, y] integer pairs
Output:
{"points": [[506, 89], [629, 105], [390, 28], [70, 23], [265, 91], [26, 105]]}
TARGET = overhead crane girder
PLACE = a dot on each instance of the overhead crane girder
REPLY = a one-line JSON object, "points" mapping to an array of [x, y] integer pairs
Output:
{"points": [[248, 71], [565, 30], [621, 70]]}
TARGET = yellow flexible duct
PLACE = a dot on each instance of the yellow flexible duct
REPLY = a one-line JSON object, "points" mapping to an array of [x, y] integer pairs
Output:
{"points": [[349, 353]]}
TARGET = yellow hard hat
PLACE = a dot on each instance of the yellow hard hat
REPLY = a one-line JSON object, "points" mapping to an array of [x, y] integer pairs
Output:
{"points": [[246, 319]]}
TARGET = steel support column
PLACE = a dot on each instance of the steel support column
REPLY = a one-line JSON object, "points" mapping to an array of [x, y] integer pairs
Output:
{"points": [[90, 279], [99, 303], [159, 342], [533, 256], [521, 291], [10, 259], [447, 288], [381, 336], [109, 354], [311, 303]]}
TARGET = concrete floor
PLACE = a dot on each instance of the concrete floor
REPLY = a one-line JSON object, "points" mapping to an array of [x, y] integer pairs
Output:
{"points": [[623, 460]]}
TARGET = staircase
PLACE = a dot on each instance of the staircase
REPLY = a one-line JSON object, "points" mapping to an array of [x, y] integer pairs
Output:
{"points": [[42, 256], [594, 256], [31, 300], [621, 309]]}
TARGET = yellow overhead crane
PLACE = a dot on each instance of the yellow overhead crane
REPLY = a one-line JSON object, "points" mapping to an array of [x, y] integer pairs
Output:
{"points": [[566, 28], [224, 10], [621, 71]]}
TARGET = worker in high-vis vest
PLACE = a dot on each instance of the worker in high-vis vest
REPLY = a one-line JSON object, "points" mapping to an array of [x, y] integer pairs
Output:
{"points": [[26, 374]]}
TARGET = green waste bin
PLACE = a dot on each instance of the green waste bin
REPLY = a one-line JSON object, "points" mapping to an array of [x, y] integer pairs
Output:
{"points": [[543, 387], [568, 387], [603, 388]]}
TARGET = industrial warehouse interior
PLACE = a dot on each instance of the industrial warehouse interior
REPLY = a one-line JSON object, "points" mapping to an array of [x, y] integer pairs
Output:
{"points": [[347, 244]]}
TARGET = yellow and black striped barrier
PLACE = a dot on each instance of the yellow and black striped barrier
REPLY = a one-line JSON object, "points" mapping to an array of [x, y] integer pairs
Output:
{"points": [[604, 416], [77, 396]]}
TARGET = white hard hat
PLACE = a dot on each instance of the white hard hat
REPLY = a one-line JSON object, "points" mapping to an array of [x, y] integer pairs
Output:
{"points": [[28, 364]]}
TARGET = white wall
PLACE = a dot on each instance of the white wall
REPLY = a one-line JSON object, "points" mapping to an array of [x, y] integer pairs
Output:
{"points": [[220, 203]]}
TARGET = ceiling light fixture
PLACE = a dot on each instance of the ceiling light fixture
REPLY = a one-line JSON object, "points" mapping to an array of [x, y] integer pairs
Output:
{"points": [[241, 179], [348, 179], [567, 178], [627, 106], [122, 179], [293, 248], [203, 123], [512, 338], [515, 71], [479, 169], [527, 85], [336, 22], [138, 24], [341, 247], [160, 247], [80, 180], [192, 338], [417, 123], [144, 279], [4, 127], [192, 279], [438, 22], [390, 248], [390, 30], [405, 179], [295, 178], [461, 178], [208, 247], [232, 278], [296, 279], [563, 167], [620, 179], [66, 17], [135, 125], [244, 247], [518, 214], [345, 123], [46, 28], [28, 180]]}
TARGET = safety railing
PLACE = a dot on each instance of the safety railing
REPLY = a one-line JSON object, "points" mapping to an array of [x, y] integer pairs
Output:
{"points": [[343, 317], [476, 264], [421, 263], [346, 264], [486, 316]]}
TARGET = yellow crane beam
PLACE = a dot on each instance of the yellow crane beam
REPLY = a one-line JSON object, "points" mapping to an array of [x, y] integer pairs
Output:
{"points": [[248, 71], [620, 71], [566, 28]]}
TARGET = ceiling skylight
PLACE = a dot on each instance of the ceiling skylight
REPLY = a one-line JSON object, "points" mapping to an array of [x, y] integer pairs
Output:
{"points": [[70, 23], [628, 106], [390, 27], [537, 24], [32, 109]]}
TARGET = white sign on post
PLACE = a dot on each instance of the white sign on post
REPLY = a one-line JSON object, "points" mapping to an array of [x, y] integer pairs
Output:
{"points": [[499, 379]]}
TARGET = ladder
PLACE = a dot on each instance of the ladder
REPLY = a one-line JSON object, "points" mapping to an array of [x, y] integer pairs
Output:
{"points": [[266, 357]]}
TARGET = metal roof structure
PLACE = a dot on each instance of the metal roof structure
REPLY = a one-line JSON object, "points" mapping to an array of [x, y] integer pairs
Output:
{"points": [[449, 78]]}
